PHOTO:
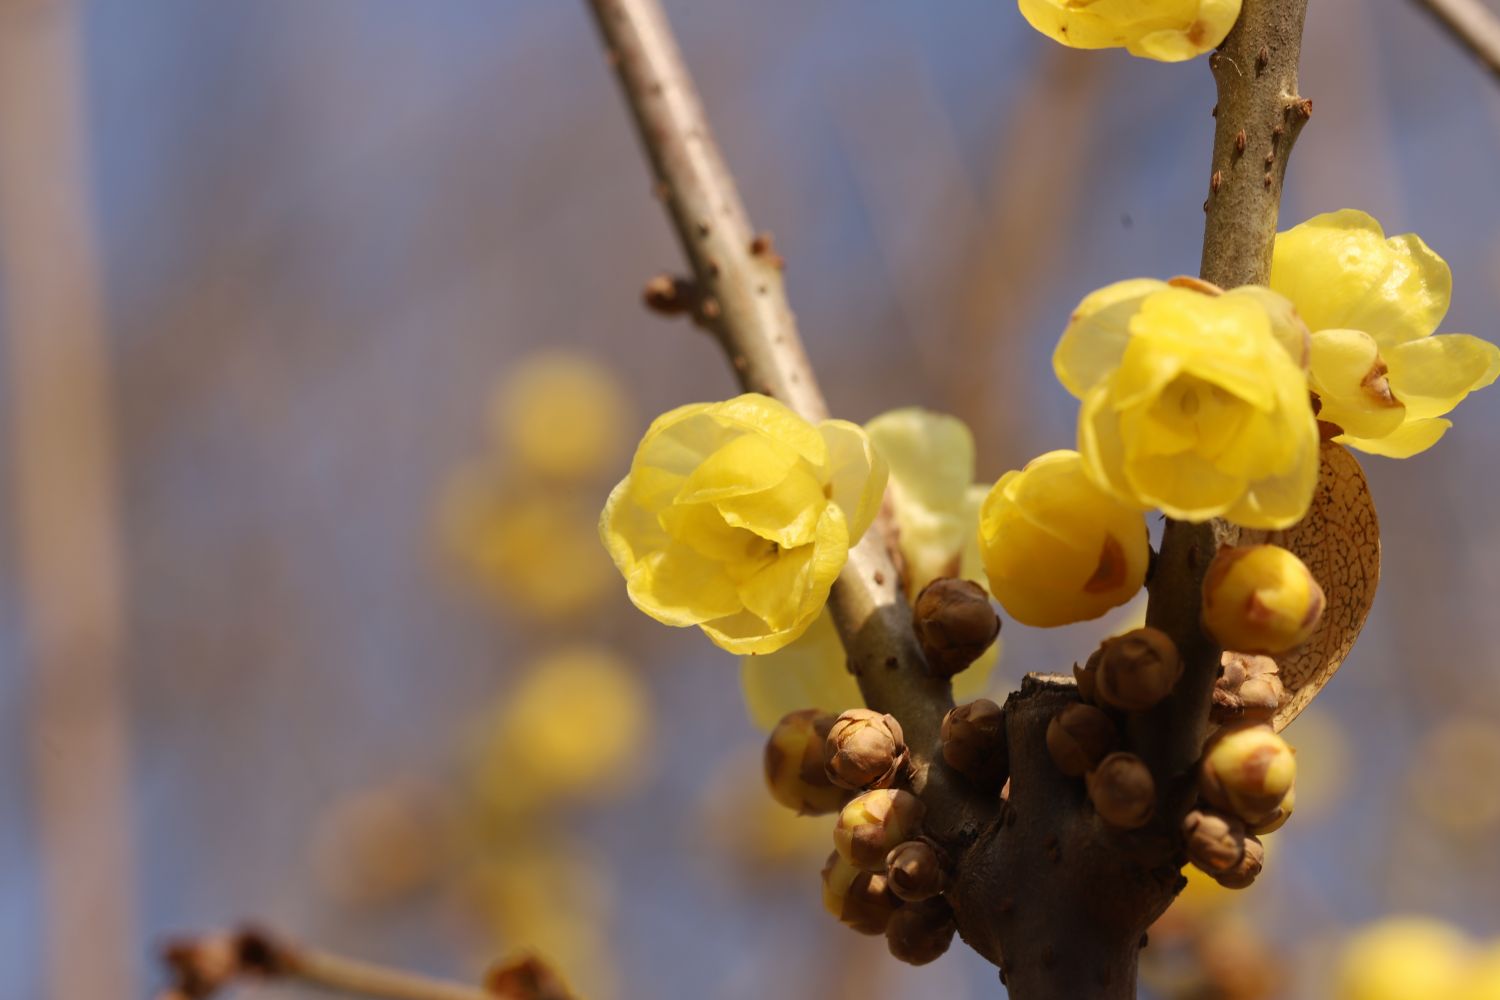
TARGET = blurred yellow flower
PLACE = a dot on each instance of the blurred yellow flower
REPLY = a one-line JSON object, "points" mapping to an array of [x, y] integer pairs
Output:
{"points": [[1483, 979], [379, 845], [1193, 401], [561, 415], [1453, 782], [533, 548], [578, 724], [1165, 30], [737, 516], [1404, 958], [754, 830], [1057, 549], [1372, 304]]}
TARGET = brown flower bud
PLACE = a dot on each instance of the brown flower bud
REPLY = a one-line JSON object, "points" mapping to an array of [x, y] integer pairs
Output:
{"points": [[955, 623], [1249, 866], [1123, 791], [860, 900], [1249, 689], [1215, 840], [865, 749], [794, 764], [974, 742], [1138, 669], [875, 822], [1247, 770], [1078, 738], [919, 933], [1087, 677], [915, 871]]}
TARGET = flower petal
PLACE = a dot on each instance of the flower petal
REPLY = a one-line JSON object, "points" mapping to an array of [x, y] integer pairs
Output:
{"points": [[1433, 375], [1093, 343], [856, 472], [1350, 377], [1411, 438]]}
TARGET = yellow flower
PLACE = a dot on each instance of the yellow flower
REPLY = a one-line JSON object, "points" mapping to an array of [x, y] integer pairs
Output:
{"points": [[1372, 304], [1402, 958], [1165, 30], [1057, 549], [1194, 400], [560, 415], [737, 516]]}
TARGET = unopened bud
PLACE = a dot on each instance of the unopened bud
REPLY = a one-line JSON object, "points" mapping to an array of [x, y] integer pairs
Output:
{"points": [[1123, 791], [1078, 738], [974, 742], [875, 822], [915, 871], [794, 764], [1137, 669], [1247, 770], [1283, 813], [919, 933], [1215, 840], [1260, 599], [865, 749], [1249, 866], [1249, 689], [860, 900], [955, 623]]}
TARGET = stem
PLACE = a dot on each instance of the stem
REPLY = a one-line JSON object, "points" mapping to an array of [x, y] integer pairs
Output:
{"points": [[1473, 25]]}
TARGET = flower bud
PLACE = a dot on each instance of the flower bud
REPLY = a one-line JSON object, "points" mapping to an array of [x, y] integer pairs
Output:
{"points": [[1078, 738], [1138, 669], [1123, 791], [915, 871], [1249, 689], [1215, 840], [1283, 813], [1260, 599], [875, 822], [859, 900], [919, 933], [1087, 678], [955, 623], [865, 749], [974, 742], [794, 764], [1247, 770], [1248, 867]]}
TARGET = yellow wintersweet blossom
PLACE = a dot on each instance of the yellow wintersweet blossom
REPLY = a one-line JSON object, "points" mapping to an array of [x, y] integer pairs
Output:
{"points": [[1401, 958], [737, 516], [1165, 30], [560, 414], [1193, 400], [1372, 304], [1057, 549]]}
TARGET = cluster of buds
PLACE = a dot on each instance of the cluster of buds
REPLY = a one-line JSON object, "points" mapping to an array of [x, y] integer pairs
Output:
{"points": [[916, 931], [1247, 782], [873, 824], [955, 624], [973, 738], [864, 750], [1260, 599], [795, 763], [1249, 689], [1131, 672]]}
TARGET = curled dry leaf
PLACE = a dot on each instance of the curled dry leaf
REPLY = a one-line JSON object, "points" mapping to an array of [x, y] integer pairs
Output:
{"points": [[1339, 540]]}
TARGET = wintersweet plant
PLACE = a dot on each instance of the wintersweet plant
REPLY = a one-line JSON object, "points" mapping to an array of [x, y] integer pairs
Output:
{"points": [[1165, 30]]}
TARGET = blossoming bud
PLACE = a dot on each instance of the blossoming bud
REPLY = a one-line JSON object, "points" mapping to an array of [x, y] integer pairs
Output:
{"points": [[1249, 689], [1249, 866], [794, 764], [955, 623], [915, 871], [875, 822], [974, 742], [1123, 791], [1078, 738], [1138, 669], [919, 933], [860, 900], [1247, 770], [865, 749], [1260, 599], [1283, 813], [1215, 840]]}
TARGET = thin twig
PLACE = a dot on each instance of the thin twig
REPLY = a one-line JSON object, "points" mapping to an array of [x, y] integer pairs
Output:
{"points": [[1473, 25]]}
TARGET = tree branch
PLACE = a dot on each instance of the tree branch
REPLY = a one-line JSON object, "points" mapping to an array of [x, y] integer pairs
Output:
{"points": [[741, 273], [1473, 25]]}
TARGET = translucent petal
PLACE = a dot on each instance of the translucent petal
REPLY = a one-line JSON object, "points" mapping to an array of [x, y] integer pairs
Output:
{"points": [[1411, 438], [745, 634], [1348, 376], [1093, 343], [627, 529], [793, 588], [1432, 375], [1275, 502], [673, 446], [857, 473], [931, 458], [1186, 486], [809, 673], [701, 527], [1102, 446], [744, 464], [677, 586], [767, 416], [1341, 272], [786, 513]]}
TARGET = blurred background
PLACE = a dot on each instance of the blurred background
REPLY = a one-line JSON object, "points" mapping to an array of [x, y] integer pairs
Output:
{"points": [[323, 347]]}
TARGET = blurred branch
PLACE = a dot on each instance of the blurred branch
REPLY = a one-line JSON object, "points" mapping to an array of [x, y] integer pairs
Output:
{"points": [[200, 968], [739, 271], [1473, 25], [64, 497]]}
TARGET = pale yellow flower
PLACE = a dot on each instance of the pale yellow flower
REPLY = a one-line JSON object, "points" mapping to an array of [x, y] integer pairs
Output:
{"points": [[1193, 401], [560, 415], [1372, 304], [1058, 549], [1165, 30], [1403, 958], [737, 516]]}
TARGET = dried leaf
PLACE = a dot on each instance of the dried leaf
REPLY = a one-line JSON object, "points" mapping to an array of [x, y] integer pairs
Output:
{"points": [[1339, 540]]}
